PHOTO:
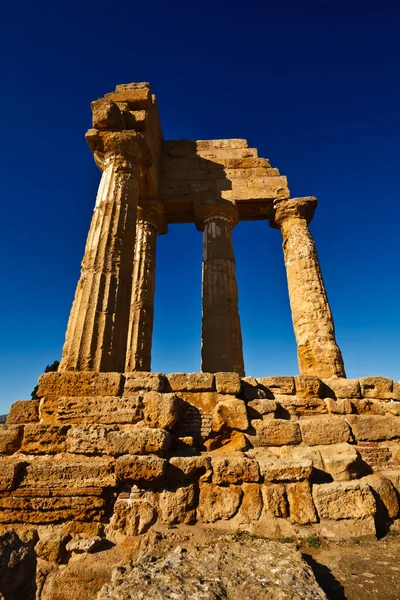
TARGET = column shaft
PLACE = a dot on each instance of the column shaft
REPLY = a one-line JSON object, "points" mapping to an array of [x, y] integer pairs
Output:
{"points": [[138, 356], [98, 324], [318, 352], [221, 332]]}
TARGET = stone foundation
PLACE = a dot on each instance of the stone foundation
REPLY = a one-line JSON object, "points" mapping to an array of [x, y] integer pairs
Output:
{"points": [[276, 456]]}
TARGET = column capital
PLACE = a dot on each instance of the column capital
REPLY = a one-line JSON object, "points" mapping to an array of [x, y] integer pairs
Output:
{"points": [[213, 210], [130, 146], [151, 212], [292, 208]]}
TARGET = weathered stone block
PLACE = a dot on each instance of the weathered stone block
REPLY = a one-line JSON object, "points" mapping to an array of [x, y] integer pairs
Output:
{"points": [[324, 430], [341, 461], [177, 505], [252, 503], [43, 510], [282, 469], [70, 474], [80, 383], [341, 406], [392, 407], [251, 391], [347, 529], [44, 439], [189, 467], [297, 405], [10, 438], [386, 491], [133, 517], [376, 387], [345, 500], [228, 383], [261, 408], [230, 413], [308, 386], [301, 505], [88, 440], [106, 410], [277, 432], [140, 380], [190, 382], [340, 387], [227, 442], [217, 502], [161, 410], [278, 385], [138, 441], [374, 427], [52, 545], [9, 471], [106, 115], [23, 411], [275, 500], [140, 469], [234, 469]]}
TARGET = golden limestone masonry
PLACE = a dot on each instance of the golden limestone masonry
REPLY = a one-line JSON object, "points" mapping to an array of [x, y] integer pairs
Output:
{"points": [[111, 449]]}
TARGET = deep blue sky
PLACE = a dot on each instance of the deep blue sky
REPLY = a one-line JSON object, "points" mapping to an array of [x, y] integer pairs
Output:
{"points": [[314, 85]]}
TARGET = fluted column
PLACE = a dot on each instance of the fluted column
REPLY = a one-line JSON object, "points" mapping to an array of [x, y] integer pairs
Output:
{"points": [[98, 324], [318, 352], [221, 333], [150, 222]]}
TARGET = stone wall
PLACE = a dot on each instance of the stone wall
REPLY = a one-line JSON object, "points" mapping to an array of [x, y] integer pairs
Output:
{"points": [[277, 456]]}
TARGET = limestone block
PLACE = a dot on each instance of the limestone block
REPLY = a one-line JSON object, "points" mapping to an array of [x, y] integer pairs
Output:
{"points": [[347, 529], [71, 474], [230, 413], [85, 545], [376, 387], [138, 441], [344, 500], [106, 115], [140, 380], [285, 469], [252, 503], [91, 439], [297, 405], [138, 97], [301, 505], [177, 505], [191, 467], [227, 442], [278, 385], [370, 406], [275, 500], [140, 469], [217, 502], [80, 383], [277, 432], [386, 491], [161, 410], [228, 383], [190, 382], [133, 517], [394, 477], [340, 387], [261, 408], [341, 406], [51, 509], [295, 453], [9, 471], [396, 390], [234, 469], [106, 410], [44, 439], [23, 411], [392, 407], [374, 428], [52, 545], [324, 430], [341, 461], [308, 386], [10, 438]]}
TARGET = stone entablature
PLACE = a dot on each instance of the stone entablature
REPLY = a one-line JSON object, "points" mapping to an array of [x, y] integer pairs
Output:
{"points": [[277, 456], [148, 183]]}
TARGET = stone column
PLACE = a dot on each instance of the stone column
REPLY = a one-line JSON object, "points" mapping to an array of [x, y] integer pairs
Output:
{"points": [[221, 333], [150, 222], [318, 352], [98, 325]]}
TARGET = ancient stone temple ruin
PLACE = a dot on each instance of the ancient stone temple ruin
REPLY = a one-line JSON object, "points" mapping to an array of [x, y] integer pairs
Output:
{"points": [[112, 449]]}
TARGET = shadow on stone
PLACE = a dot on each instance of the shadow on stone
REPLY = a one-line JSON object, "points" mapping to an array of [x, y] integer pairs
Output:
{"points": [[325, 578], [17, 568]]}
